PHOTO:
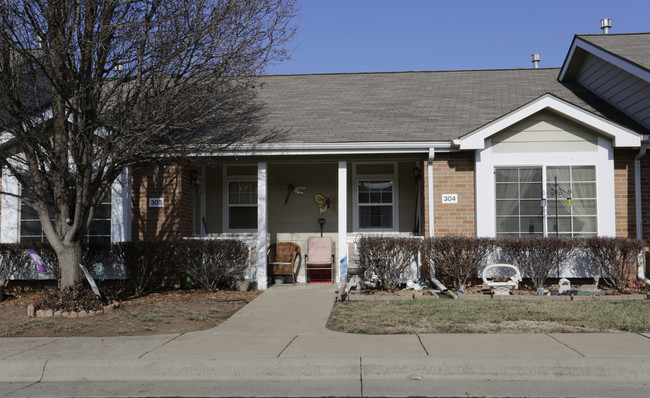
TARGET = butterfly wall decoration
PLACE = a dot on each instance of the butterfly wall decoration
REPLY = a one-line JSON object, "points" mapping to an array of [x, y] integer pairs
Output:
{"points": [[324, 202]]}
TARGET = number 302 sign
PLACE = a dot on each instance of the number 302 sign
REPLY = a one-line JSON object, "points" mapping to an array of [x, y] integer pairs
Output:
{"points": [[450, 198]]}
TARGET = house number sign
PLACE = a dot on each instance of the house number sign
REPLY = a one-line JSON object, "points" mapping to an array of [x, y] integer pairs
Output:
{"points": [[156, 202], [449, 198]]}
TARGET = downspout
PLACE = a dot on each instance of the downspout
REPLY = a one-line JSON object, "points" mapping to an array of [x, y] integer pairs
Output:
{"points": [[432, 269], [637, 205]]}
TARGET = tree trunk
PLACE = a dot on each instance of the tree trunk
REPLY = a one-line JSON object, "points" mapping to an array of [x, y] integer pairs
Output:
{"points": [[69, 260]]}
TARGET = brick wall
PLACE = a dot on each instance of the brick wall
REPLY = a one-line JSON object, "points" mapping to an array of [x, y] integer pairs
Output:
{"points": [[174, 220], [624, 193], [453, 173]]}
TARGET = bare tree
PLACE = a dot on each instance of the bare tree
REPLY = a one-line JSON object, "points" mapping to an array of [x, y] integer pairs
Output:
{"points": [[88, 87]]}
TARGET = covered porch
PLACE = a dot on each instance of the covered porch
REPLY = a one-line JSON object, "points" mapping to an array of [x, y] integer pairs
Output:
{"points": [[263, 201]]}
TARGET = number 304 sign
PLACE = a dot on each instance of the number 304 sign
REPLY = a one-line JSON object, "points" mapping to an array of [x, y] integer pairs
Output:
{"points": [[450, 198]]}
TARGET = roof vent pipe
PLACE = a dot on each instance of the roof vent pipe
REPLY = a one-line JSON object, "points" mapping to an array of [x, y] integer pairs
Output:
{"points": [[605, 24], [535, 60]]}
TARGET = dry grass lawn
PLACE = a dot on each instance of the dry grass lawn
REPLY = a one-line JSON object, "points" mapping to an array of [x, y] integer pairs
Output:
{"points": [[469, 316]]}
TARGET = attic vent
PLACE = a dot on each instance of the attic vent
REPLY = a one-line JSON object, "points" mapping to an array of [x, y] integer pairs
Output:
{"points": [[535, 58], [605, 24]]}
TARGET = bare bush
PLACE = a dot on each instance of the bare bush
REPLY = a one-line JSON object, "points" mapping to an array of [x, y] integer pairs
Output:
{"points": [[215, 264], [537, 257], [616, 258], [458, 258], [150, 264], [388, 257]]}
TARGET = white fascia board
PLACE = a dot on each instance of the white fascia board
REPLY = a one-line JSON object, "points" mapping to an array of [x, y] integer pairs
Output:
{"points": [[355, 148], [621, 136], [617, 61]]}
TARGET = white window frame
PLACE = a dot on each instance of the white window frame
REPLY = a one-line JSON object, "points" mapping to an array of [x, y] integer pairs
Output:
{"points": [[356, 177], [602, 159], [120, 209], [548, 219], [227, 179]]}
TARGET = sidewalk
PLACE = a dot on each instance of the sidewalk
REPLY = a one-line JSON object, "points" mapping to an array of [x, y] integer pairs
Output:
{"points": [[281, 337]]}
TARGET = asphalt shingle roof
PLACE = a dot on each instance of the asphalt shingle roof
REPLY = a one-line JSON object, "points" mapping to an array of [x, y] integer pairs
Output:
{"points": [[410, 106], [635, 47]]}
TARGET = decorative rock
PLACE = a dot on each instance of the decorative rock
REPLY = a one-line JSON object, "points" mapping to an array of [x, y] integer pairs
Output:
{"points": [[40, 313], [65, 314], [48, 314], [109, 308], [58, 313], [83, 314], [91, 313], [73, 315], [30, 310]]}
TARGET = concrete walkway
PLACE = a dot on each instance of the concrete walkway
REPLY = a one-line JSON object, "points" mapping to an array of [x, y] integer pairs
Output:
{"points": [[280, 342]]}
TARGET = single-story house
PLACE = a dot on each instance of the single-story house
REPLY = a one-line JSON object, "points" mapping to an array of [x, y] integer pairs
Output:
{"points": [[490, 153]]}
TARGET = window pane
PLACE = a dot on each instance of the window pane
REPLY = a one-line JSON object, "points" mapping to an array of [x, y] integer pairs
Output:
{"points": [[562, 208], [583, 173], [103, 211], [530, 190], [376, 216], [28, 213], [508, 224], [585, 224], [584, 207], [562, 174], [507, 191], [532, 225], [530, 175], [242, 217], [506, 175], [30, 228], [584, 190], [507, 207], [100, 227], [531, 208]]}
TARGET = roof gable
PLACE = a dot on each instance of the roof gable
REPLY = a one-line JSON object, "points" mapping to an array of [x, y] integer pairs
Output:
{"points": [[620, 136], [629, 52]]}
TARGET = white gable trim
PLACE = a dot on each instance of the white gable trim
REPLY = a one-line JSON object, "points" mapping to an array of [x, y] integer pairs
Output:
{"points": [[617, 61], [620, 136]]}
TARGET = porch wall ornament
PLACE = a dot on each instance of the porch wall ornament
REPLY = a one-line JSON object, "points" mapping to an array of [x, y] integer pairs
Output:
{"points": [[324, 203], [298, 190]]}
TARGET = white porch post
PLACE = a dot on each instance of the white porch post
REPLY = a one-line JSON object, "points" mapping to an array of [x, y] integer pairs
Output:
{"points": [[343, 216], [10, 209], [262, 225], [121, 207], [429, 194]]}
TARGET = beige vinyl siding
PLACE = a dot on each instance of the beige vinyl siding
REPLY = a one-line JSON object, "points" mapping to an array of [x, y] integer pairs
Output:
{"points": [[213, 186], [622, 89], [407, 196], [544, 132]]}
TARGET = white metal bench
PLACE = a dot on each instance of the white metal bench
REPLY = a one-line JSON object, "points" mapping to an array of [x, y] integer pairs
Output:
{"points": [[502, 288]]}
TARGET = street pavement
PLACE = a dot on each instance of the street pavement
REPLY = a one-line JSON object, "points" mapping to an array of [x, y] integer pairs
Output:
{"points": [[278, 345]]}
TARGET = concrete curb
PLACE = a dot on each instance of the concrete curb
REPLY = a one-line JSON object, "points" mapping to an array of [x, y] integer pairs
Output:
{"points": [[328, 368]]}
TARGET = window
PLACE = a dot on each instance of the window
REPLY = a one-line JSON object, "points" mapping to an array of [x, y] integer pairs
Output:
{"points": [[576, 217], [520, 201], [518, 196], [375, 204], [99, 231], [242, 204], [375, 197]]}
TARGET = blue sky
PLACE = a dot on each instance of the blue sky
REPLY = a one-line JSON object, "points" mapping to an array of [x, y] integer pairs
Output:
{"points": [[402, 35]]}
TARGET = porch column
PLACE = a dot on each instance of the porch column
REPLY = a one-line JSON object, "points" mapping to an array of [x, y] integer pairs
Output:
{"points": [[343, 217], [262, 225], [429, 194]]}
